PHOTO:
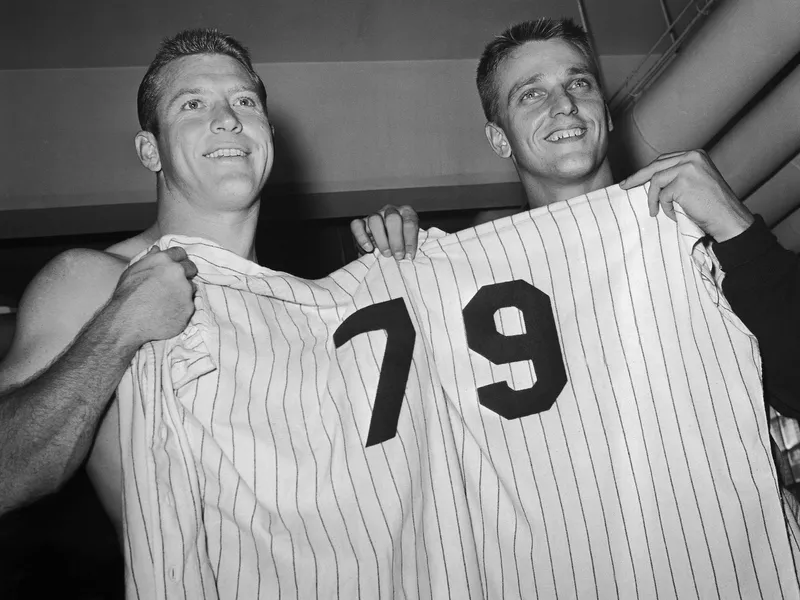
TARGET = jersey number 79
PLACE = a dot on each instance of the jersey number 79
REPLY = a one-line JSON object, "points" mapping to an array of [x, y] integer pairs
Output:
{"points": [[539, 344]]}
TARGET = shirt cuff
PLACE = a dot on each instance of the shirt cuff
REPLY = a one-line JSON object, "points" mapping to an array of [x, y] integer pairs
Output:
{"points": [[745, 247]]}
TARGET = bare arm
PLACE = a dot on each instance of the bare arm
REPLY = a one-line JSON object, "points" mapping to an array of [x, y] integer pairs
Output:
{"points": [[47, 424], [50, 409]]}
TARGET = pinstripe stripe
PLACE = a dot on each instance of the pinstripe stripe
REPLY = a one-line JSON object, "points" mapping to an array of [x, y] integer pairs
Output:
{"points": [[130, 572], [636, 402], [593, 387], [292, 445], [660, 428], [238, 353], [430, 359], [277, 320], [272, 437], [251, 396], [314, 456], [617, 403], [614, 397], [458, 397], [688, 469], [707, 386], [156, 491], [195, 510], [571, 461]]}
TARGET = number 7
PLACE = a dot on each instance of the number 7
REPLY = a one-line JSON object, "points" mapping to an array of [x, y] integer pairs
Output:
{"points": [[391, 316]]}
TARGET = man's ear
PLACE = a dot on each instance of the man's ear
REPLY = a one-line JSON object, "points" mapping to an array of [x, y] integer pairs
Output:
{"points": [[497, 140], [609, 121], [147, 151]]}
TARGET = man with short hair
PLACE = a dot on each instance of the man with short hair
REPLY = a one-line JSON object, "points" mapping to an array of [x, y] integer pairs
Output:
{"points": [[207, 138], [541, 94], [540, 91]]}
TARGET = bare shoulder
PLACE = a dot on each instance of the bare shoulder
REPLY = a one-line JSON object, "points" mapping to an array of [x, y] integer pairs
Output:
{"points": [[128, 249], [56, 305]]}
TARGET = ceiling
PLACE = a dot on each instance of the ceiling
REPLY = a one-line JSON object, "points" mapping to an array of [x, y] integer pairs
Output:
{"points": [[42, 34]]}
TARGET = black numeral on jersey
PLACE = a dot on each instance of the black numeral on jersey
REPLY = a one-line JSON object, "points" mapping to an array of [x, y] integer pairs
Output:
{"points": [[539, 344], [392, 316]]}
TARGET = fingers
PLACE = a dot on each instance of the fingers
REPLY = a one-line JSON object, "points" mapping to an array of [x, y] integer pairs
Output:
{"points": [[652, 199], [665, 161], [189, 268], [410, 230], [377, 229], [179, 255], [662, 192], [358, 227], [393, 231], [176, 253]]}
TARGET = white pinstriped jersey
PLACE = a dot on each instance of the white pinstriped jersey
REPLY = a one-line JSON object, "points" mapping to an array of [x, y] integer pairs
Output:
{"points": [[558, 404]]}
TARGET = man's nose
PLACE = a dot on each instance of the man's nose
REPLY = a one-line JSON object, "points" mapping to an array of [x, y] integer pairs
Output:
{"points": [[226, 119], [562, 103]]}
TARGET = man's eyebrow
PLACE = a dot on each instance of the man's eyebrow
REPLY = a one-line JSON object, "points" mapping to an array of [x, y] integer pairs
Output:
{"points": [[521, 84], [184, 92], [580, 70], [243, 88]]}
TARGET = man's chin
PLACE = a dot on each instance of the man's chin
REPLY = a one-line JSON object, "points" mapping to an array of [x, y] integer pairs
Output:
{"points": [[577, 167], [237, 191]]}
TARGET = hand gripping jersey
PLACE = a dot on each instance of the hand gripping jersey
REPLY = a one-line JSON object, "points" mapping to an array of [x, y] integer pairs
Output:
{"points": [[558, 404]]}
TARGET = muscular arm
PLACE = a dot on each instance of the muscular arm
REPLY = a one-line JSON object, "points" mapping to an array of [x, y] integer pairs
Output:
{"points": [[47, 424], [762, 285], [79, 324]]}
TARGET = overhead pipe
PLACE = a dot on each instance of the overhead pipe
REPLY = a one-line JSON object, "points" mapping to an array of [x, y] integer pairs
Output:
{"points": [[779, 196], [788, 232], [766, 138], [741, 46]]}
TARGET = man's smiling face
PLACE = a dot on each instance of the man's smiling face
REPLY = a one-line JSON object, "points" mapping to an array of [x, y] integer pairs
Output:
{"points": [[553, 117], [215, 141]]}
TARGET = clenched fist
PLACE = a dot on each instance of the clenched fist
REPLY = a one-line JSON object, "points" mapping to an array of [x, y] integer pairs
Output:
{"points": [[153, 299]]}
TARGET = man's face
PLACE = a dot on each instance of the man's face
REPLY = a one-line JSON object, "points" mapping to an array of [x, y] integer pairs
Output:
{"points": [[215, 142], [553, 118]]}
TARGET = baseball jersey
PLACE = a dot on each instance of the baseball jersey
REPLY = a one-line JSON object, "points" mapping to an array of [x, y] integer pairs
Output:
{"points": [[558, 404]]}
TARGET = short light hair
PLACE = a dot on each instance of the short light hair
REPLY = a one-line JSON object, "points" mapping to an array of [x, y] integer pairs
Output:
{"points": [[501, 47], [188, 43]]}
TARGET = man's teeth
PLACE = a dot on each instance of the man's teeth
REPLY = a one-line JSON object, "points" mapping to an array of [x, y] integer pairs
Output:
{"points": [[225, 152], [566, 133]]}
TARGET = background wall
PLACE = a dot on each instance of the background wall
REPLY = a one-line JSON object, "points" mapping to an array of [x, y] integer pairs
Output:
{"points": [[365, 95]]}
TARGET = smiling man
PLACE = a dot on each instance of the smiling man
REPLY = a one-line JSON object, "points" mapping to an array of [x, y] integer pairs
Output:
{"points": [[545, 110], [207, 138]]}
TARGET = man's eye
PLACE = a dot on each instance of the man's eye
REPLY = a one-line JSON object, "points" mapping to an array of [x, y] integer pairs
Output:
{"points": [[581, 83], [245, 101], [530, 95], [191, 105]]}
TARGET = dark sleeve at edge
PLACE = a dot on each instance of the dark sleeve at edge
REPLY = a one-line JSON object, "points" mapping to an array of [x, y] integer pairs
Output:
{"points": [[762, 285]]}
